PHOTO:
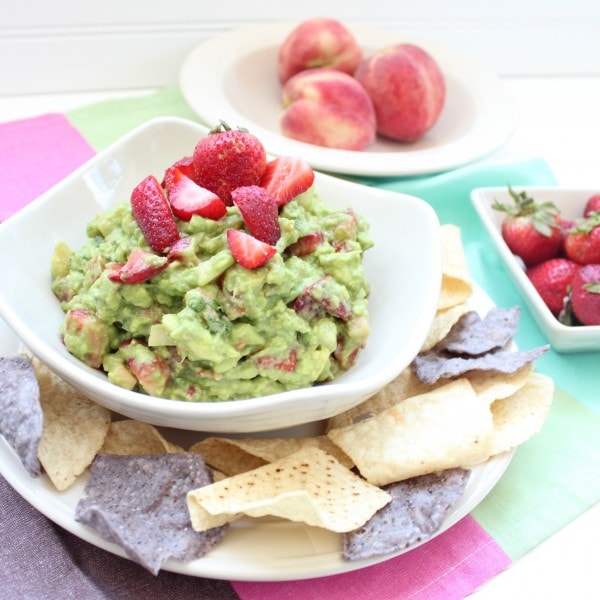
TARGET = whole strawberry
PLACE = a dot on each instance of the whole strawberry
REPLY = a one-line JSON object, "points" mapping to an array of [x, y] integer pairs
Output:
{"points": [[582, 242], [552, 279], [227, 159], [585, 294], [531, 230], [592, 205]]}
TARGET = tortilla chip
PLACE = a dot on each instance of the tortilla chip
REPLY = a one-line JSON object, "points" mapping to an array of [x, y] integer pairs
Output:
{"points": [[307, 486], [522, 415], [21, 415], [457, 285], [234, 456], [442, 323], [138, 502], [74, 428], [418, 508], [441, 429], [135, 437], [492, 385], [474, 335], [434, 365]]}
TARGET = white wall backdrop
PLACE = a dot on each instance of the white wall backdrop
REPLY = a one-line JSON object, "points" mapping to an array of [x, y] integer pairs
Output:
{"points": [[67, 45]]}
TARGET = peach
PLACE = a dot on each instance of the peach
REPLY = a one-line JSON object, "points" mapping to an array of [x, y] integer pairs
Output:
{"points": [[407, 88], [318, 42], [327, 108]]}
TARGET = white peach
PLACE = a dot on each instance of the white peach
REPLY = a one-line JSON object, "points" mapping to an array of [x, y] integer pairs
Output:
{"points": [[327, 108], [318, 42], [407, 88]]}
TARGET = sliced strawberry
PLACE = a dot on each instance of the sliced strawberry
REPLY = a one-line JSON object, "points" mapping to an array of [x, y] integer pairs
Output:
{"points": [[247, 250], [271, 362], [186, 166], [179, 250], [331, 295], [259, 211], [187, 198], [140, 266], [152, 212], [306, 244], [287, 177]]}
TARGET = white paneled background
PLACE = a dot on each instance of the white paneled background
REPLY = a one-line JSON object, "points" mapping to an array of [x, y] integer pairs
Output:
{"points": [[109, 44]]}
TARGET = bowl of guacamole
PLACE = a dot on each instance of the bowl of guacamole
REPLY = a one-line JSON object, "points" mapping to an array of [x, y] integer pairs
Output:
{"points": [[205, 343]]}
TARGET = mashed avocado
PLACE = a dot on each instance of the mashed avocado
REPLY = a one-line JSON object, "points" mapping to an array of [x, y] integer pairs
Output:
{"points": [[204, 328]]}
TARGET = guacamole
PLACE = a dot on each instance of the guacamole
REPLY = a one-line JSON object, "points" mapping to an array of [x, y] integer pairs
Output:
{"points": [[204, 328]]}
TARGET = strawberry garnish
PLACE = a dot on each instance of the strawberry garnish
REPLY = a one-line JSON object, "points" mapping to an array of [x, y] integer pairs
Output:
{"points": [[585, 294], [187, 198], [151, 210], [259, 211], [582, 242], [306, 244], [247, 250], [141, 266], [531, 230], [286, 177], [227, 159], [186, 166], [552, 279]]}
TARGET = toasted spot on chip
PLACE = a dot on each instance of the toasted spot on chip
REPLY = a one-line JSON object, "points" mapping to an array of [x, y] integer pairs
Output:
{"points": [[434, 365], [74, 428], [457, 285], [21, 415], [232, 456], [418, 508], [138, 502], [442, 323], [307, 486], [475, 335], [441, 429], [135, 437], [522, 415]]}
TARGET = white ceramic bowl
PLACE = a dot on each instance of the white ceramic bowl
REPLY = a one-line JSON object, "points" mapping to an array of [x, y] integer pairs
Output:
{"points": [[404, 270], [570, 202]]}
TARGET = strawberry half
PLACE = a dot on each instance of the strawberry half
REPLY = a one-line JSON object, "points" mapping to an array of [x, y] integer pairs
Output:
{"points": [[531, 230], [552, 279], [286, 177], [187, 198], [247, 250], [141, 266], [186, 166], [259, 211], [585, 294], [227, 159], [151, 210]]}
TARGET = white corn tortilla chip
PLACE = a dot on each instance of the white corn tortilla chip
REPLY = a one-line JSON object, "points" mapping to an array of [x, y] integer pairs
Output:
{"points": [[308, 486], [444, 428]]}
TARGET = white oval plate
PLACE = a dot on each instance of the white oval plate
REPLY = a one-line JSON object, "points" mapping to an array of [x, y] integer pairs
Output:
{"points": [[233, 77], [252, 550]]}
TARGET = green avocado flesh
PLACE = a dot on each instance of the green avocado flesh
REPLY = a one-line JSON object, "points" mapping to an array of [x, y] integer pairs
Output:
{"points": [[207, 329]]}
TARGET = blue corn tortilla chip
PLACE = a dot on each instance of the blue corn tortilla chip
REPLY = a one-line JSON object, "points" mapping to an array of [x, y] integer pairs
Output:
{"points": [[139, 503], [21, 418], [417, 510], [434, 365], [474, 335]]}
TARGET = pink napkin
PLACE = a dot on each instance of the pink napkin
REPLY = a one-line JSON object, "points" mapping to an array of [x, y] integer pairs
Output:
{"points": [[451, 566], [35, 154]]}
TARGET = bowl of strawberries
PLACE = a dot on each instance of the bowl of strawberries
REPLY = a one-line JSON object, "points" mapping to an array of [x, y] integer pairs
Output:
{"points": [[549, 240]]}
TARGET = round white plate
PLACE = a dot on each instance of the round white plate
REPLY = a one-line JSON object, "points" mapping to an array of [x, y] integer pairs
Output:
{"points": [[233, 77], [253, 550]]}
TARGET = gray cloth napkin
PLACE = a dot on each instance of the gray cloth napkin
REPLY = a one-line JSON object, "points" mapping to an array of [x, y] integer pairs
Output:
{"points": [[39, 560]]}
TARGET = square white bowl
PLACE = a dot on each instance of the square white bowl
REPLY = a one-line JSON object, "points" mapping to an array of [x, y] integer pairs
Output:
{"points": [[403, 269], [570, 202]]}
